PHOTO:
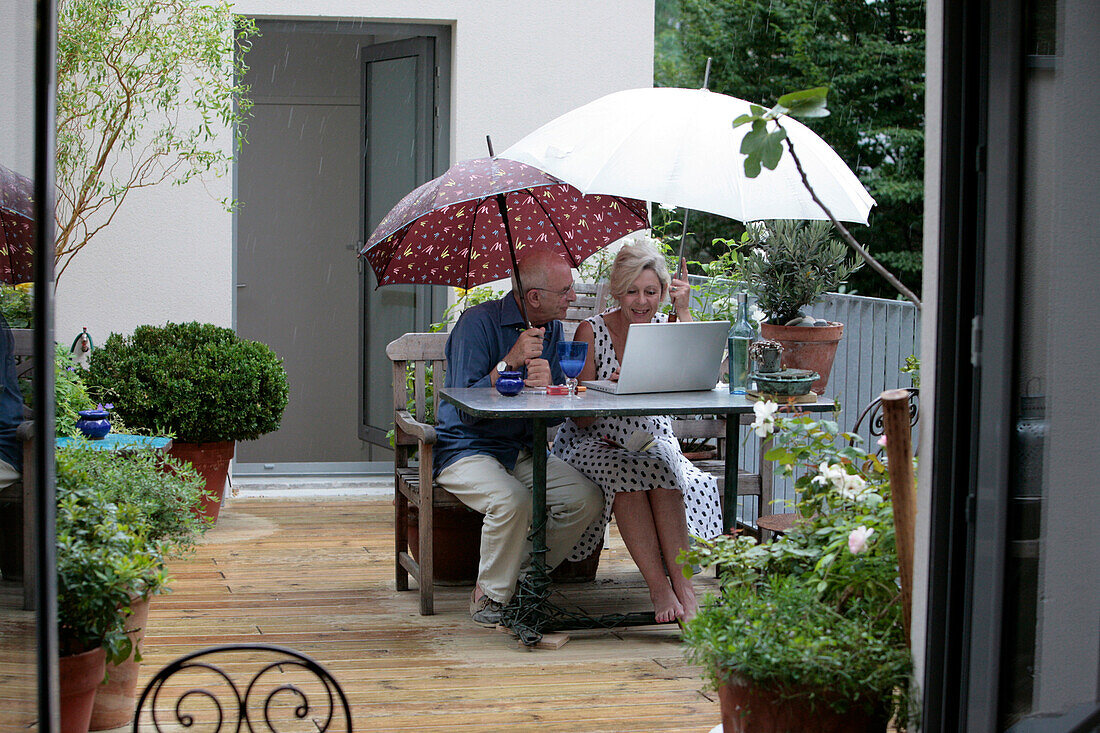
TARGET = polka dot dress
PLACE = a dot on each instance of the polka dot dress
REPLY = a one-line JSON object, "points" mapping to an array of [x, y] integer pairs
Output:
{"points": [[617, 469]]}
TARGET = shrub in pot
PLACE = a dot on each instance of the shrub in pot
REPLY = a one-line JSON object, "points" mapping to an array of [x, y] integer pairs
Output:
{"points": [[104, 561], [199, 382], [163, 495], [810, 623], [790, 265]]}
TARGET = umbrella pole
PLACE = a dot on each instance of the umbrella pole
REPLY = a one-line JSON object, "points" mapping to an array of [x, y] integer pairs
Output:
{"points": [[503, 204], [512, 251], [684, 233]]}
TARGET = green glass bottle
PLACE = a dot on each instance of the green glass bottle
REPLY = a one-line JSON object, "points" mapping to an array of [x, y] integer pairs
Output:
{"points": [[741, 335]]}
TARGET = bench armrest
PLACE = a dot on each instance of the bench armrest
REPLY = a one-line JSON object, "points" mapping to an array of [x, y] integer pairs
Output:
{"points": [[405, 422], [25, 430]]}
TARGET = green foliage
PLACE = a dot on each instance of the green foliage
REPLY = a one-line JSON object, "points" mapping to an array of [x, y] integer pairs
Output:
{"points": [[871, 57], [70, 394], [165, 493], [465, 299], [792, 264], [912, 368], [819, 606], [201, 382], [146, 90], [17, 304], [104, 561]]}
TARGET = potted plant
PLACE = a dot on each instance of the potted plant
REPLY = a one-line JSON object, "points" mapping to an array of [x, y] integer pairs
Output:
{"points": [[199, 382], [163, 495], [806, 632], [790, 265], [104, 560]]}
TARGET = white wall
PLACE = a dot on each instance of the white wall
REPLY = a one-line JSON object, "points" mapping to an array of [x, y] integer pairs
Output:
{"points": [[517, 65], [17, 86]]}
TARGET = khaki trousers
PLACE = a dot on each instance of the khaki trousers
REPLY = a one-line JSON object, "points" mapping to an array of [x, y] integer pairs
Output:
{"points": [[483, 484]]}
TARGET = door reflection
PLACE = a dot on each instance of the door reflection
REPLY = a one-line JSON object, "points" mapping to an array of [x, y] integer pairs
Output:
{"points": [[18, 622]]}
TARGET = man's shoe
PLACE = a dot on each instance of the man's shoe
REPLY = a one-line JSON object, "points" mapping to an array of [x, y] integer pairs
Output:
{"points": [[485, 611]]}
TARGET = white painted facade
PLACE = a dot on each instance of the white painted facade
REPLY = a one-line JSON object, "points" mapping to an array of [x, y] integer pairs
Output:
{"points": [[168, 255]]}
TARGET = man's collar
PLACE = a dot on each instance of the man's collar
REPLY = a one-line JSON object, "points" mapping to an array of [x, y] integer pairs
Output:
{"points": [[509, 313]]}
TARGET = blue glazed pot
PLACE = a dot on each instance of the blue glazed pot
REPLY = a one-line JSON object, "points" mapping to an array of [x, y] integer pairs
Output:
{"points": [[93, 424], [510, 383]]}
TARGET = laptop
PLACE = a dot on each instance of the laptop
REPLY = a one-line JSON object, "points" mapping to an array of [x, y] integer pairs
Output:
{"points": [[669, 357]]}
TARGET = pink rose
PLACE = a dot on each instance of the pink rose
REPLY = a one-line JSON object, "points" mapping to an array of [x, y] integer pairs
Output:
{"points": [[857, 539]]}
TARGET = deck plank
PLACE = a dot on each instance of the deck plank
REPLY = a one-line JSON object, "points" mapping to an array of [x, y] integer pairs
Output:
{"points": [[317, 576]]}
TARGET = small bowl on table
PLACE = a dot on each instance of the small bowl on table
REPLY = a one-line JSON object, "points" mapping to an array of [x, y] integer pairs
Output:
{"points": [[510, 383], [786, 382]]}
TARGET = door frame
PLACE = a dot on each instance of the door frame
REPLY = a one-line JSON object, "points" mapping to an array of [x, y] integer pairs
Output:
{"points": [[431, 160]]}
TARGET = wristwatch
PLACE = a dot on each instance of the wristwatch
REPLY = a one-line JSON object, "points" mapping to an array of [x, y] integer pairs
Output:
{"points": [[502, 366]]}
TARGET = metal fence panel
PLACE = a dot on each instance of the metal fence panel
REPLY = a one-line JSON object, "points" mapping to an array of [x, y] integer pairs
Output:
{"points": [[878, 336]]}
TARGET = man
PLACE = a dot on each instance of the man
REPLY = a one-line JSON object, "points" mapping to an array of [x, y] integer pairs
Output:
{"points": [[487, 464]]}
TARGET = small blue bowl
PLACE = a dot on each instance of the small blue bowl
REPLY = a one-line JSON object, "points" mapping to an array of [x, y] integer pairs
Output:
{"points": [[510, 384]]}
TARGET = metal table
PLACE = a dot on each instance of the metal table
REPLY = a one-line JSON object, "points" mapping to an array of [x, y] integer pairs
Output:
{"points": [[530, 613]]}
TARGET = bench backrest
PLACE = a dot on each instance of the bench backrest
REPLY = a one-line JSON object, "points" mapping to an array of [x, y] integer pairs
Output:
{"points": [[418, 365], [592, 298]]}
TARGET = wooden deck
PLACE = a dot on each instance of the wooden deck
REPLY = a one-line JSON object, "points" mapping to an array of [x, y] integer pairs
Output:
{"points": [[317, 576]]}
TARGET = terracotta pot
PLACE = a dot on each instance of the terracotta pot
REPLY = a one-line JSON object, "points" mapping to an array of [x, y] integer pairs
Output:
{"points": [[456, 543], [749, 708], [580, 571], [807, 347], [211, 460], [115, 697], [78, 677]]}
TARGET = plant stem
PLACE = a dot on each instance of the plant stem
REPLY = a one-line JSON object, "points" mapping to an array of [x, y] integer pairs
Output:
{"points": [[846, 235]]}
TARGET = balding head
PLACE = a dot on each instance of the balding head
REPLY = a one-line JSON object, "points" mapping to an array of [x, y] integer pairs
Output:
{"points": [[547, 285]]}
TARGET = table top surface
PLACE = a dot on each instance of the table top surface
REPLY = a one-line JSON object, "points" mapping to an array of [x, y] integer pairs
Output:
{"points": [[487, 402], [121, 441]]}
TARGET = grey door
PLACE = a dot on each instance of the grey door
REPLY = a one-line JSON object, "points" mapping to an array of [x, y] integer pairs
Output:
{"points": [[399, 131]]}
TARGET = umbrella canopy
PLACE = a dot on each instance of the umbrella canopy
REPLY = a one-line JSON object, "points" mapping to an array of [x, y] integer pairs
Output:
{"points": [[450, 231], [16, 227], [678, 147]]}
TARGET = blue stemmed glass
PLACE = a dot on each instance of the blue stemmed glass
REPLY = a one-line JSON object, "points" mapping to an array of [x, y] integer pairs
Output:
{"points": [[571, 356]]}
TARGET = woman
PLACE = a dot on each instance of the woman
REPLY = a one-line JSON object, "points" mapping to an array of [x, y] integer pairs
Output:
{"points": [[657, 495]]}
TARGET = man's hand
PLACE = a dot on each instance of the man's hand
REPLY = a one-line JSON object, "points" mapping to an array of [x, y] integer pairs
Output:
{"points": [[538, 373], [529, 346]]}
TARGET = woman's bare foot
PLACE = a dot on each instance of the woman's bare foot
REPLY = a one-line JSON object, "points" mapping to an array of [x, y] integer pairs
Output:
{"points": [[685, 594], [666, 606]]}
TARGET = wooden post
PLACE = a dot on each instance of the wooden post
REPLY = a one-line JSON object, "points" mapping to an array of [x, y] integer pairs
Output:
{"points": [[899, 456]]}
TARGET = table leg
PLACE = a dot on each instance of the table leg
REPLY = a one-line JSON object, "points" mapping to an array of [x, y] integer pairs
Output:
{"points": [[733, 458], [530, 611]]}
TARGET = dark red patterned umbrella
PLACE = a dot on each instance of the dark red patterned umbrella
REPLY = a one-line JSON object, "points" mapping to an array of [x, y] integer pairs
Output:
{"points": [[450, 231], [16, 227]]}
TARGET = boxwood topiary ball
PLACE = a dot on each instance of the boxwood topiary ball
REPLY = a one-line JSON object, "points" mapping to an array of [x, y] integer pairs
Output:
{"points": [[201, 382]]}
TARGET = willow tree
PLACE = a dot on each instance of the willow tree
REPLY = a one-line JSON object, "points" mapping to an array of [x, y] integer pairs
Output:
{"points": [[146, 92]]}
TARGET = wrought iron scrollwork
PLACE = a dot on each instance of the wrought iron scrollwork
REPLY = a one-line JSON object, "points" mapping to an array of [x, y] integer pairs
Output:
{"points": [[872, 415], [201, 691]]}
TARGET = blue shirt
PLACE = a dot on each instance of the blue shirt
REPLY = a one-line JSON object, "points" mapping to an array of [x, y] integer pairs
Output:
{"points": [[482, 337], [11, 401]]}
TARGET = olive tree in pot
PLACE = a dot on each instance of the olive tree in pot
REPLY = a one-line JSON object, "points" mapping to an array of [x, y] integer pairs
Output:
{"points": [[806, 632], [104, 561], [164, 496], [790, 265], [201, 383]]}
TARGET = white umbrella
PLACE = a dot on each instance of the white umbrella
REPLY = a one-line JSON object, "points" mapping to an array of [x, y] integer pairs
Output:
{"points": [[678, 147]]}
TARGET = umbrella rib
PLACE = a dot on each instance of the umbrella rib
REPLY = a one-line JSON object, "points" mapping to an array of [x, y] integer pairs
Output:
{"points": [[561, 238], [470, 248]]}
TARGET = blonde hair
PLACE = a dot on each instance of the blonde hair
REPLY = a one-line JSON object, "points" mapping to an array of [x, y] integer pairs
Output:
{"points": [[629, 264]]}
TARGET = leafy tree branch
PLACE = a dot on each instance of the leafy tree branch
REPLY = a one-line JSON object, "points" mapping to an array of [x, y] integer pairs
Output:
{"points": [[145, 89]]}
